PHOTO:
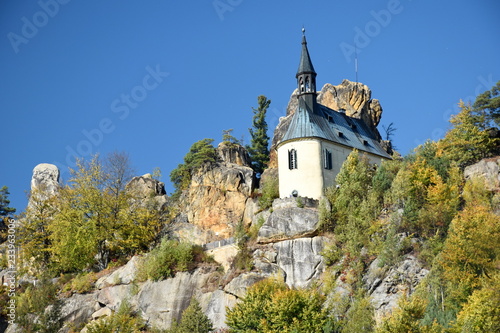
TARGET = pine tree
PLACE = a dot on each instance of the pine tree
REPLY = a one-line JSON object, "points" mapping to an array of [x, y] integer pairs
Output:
{"points": [[201, 152], [465, 142], [5, 210], [487, 107], [193, 320], [258, 149]]}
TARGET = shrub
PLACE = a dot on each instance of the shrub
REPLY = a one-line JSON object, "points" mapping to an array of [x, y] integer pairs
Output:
{"points": [[123, 321], [165, 260], [81, 284], [270, 306], [38, 308], [193, 320], [270, 191]]}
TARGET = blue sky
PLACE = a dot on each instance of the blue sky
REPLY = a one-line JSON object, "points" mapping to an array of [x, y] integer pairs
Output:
{"points": [[153, 77]]}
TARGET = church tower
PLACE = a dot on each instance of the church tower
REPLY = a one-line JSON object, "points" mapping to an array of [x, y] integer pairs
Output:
{"points": [[306, 79]]}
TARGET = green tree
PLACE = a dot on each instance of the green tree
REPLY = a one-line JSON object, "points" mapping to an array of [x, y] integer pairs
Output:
{"points": [[34, 234], [486, 107], [352, 212], [193, 320], [406, 318], [5, 210], [270, 306], [481, 313], [465, 143], [359, 318], [229, 139], [259, 146], [200, 153], [98, 220], [166, 259], [471, 251]]}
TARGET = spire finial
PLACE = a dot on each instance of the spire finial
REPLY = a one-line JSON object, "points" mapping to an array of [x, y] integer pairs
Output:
{"points": [[303, 31]]}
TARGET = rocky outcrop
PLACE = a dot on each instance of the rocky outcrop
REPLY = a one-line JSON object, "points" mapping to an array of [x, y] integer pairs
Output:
{"points": [[45, 180], [355, 99], [123, 275], [288, 221], [387, 287], [159, 303], [78, 309], [239, 285], [216, 198], [487, 169], [146, 187], [229, 152], [301, 260]]}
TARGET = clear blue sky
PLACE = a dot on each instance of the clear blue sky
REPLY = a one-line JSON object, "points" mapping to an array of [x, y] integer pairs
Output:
{"points": [[152, 77]]}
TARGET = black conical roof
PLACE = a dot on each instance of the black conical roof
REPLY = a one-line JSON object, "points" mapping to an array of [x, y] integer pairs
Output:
{"points": [[305, 65]]}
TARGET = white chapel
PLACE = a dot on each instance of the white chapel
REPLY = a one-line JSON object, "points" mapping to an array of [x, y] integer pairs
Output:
{"points": [[318, 140]]}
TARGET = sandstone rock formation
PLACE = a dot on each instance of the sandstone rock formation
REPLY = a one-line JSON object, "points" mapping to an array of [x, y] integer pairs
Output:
{"points": [[45, 179], [301, 260], [287, 221], [487, 169], [233, 153], [157, 302], [146, 187], [355, 99], [216, 199], [386, 287]]}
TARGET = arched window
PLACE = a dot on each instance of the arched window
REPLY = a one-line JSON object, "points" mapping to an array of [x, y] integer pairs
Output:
{"points": [[292, 159], [308, 86], [301, 85]]}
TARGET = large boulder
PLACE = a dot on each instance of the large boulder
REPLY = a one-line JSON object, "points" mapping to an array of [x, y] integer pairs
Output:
{"points": [[487, 169], [229, 152], [289, 221], [146, 187], [239, 285], [45, 179], [78, 309]]}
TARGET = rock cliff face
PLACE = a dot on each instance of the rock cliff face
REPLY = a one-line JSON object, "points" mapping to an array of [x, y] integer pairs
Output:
{"points": [[489, 170], [216, 199], [353, 97], [387, 287]]}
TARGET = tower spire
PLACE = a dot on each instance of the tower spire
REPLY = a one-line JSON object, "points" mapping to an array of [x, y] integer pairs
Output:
{"points": [[306, 77], [305, 65]]}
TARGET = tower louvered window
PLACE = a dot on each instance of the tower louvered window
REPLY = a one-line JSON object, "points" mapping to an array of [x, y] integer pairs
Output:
{"points": [[328, 162], [292, 159]]}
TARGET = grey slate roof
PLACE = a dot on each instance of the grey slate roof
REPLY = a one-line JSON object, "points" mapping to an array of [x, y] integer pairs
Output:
{"points": [[305, 65], [337, 127]]}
